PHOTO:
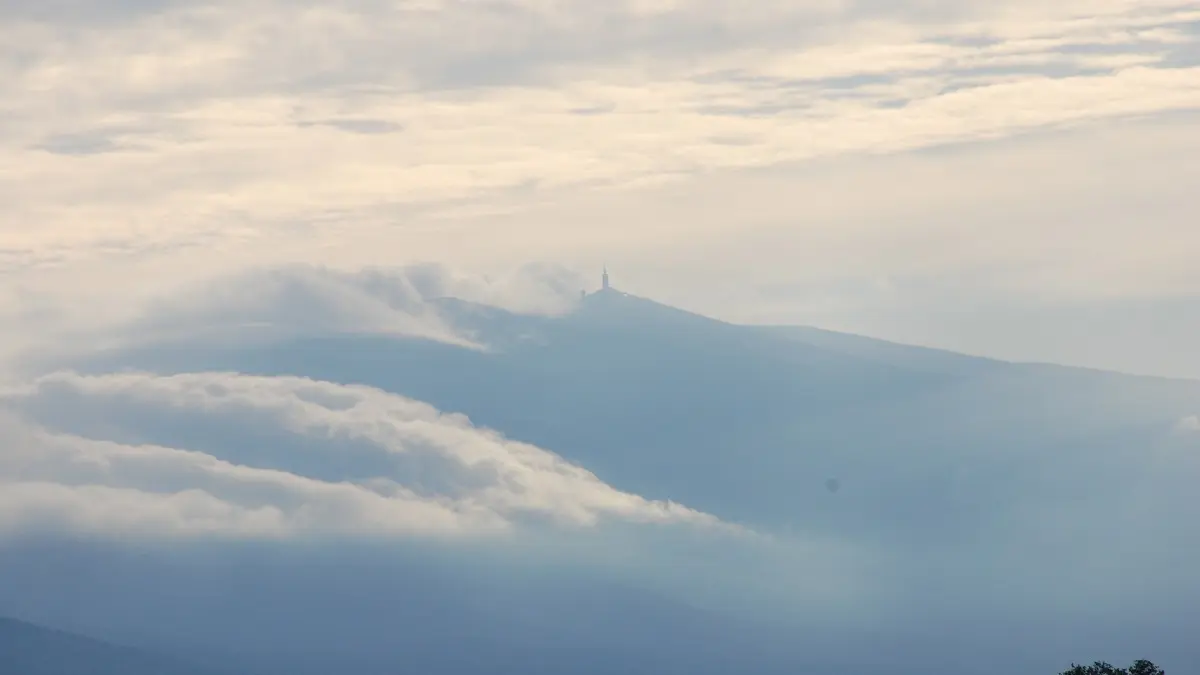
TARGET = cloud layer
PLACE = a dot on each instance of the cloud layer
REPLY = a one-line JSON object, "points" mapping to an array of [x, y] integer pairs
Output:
{"points": [[402, 107], [236, 456]]}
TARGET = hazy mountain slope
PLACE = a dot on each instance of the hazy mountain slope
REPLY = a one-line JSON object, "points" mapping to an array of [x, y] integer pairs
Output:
{"points": [[968, 486], [882, 351], [745, 422], [274, 612], [26, 649]]}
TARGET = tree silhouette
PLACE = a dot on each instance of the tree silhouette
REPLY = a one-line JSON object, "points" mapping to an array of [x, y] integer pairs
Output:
{"points": [[1139, 667], [1144, 667]]}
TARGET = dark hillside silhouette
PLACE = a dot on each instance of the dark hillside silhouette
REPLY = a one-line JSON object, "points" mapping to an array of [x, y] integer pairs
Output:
{"points": [[26, 649]]}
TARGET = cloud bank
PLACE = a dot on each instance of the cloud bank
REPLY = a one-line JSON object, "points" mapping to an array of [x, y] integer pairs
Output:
{"points": [[238, 456]]}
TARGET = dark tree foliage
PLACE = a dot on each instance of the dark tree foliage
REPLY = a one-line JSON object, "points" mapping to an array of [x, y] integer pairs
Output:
{"points": [[1144, 667], [1139, 667]]}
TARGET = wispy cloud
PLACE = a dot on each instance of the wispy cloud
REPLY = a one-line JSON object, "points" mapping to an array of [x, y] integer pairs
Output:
{"points": [[269, 303]]}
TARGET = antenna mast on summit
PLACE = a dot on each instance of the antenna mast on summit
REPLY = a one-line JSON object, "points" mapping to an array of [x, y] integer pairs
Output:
{"points": [[604, 279]]}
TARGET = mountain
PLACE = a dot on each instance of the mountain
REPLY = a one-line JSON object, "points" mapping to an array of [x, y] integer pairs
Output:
{"points": [[745, 422], [970, 493], [26, 649], [414, 612]]}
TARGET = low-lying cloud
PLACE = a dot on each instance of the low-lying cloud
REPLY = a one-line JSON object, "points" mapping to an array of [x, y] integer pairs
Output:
{"points": [[235, 456]]}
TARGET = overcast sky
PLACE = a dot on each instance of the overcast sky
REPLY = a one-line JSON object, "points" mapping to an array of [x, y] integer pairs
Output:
{"points": [[1011, 177]]}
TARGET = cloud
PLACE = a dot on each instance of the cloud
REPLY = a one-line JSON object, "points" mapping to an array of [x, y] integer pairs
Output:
{"points": [[210, 103], [533, 289], [302, 300], [280, 457], [1189, 423], [270, 303]]}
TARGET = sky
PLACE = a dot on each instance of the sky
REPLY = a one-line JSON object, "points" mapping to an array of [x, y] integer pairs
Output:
{"points": [[1009, 178]]}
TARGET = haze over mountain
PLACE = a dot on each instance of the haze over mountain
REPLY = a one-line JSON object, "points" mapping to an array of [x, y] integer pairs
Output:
{"points": [[633, 488]]}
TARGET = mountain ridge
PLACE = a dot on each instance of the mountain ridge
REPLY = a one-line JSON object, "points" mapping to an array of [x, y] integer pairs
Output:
{"points": [[937, 462], [744, 422]]}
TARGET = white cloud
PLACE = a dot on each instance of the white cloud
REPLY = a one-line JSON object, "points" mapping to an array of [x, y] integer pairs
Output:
{"points": [[280, 457], [1189, 423]]}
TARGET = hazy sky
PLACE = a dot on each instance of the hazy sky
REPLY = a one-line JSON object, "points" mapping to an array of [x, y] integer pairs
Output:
{"points": [[1010, 177]]}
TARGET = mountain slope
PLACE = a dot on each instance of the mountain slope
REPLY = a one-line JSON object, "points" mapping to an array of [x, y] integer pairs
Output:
{"points": [[744, 422], [884, 352], [966, 485], [26, 649], [414, 613]]}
